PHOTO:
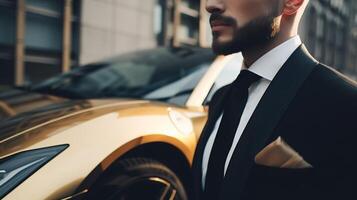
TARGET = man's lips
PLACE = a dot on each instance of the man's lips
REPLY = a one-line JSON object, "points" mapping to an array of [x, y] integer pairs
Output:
{"points": [[217, 25]]}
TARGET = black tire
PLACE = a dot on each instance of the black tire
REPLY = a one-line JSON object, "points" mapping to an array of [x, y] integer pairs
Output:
{"points": [[138, 179]]}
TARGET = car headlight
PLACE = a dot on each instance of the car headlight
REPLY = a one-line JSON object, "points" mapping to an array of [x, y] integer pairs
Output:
{"points": [[16, 168]]}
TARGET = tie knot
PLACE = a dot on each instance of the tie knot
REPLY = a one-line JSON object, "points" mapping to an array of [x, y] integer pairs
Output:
{"points": [[246, 78]]}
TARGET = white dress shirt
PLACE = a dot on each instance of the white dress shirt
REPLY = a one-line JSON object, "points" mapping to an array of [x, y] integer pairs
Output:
{"points": [[267, 67]]}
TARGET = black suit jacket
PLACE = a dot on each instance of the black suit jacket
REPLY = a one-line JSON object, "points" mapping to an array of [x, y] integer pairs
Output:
{"points": [[314, 109]]}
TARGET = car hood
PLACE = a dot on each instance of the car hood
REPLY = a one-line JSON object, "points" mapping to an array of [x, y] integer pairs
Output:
{"points": [[20, 109], [26, 111]]}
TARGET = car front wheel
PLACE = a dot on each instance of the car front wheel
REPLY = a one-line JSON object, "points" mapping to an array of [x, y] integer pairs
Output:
{"points": [[138, 179]]}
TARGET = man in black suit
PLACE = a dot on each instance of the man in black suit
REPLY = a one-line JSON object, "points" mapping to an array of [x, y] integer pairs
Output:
{"points": [[286, 127]]}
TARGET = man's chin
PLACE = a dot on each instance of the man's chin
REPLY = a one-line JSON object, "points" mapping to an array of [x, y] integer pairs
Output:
{"points": [[225, 48]]}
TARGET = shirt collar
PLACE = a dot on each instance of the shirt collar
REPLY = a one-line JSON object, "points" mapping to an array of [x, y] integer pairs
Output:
{"points": [[270, 63]]}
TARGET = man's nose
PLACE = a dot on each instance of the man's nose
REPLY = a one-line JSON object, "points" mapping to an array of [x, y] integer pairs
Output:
{"points": [[215, 6]]}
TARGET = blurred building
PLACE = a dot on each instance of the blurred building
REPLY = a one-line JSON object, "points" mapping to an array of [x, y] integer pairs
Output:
{"points": [[111, 27], [329, 29], [41, 38]]}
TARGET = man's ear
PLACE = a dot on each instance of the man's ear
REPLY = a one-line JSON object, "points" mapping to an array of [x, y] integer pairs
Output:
{"points": [[292, 6]]}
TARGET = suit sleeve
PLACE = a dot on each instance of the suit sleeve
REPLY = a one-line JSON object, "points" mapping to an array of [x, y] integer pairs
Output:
{"points": [[346, 146]]}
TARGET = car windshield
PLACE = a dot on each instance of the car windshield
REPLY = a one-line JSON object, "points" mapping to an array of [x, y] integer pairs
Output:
{"points": [[168, 74]]}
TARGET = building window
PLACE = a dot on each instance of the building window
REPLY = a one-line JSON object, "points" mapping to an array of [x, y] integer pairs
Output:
{"points": [[7, 41], [187, 16], [331, 44], [43, 39], [322, 37], [311, 40], [340, 49], [181, 23], [43, 25], [75, 18], [161, 21]]}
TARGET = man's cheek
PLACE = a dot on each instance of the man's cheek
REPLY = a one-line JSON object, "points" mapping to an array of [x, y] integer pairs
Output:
{"points": [[248, 11], [242, 19]]}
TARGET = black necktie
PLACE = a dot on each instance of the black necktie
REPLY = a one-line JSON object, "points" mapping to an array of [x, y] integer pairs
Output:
{"points": [[233, 107]]}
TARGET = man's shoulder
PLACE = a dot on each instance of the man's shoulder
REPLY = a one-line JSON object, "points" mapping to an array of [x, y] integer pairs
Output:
{"points": [[328, 89], [330, 80]]}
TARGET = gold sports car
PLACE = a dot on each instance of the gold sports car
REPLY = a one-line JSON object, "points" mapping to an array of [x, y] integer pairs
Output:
{"points": [[124, 128]]}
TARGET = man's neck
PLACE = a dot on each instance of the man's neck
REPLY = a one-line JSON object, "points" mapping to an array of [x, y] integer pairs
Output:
{"points": [[254, 53]]}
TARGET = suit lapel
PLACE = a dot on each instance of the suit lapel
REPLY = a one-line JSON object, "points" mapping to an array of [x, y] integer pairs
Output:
{"points": [[265, 118], [214, 111]]}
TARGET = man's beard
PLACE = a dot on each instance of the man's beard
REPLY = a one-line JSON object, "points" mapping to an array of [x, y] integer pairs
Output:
{"points": [[255, 33]]}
